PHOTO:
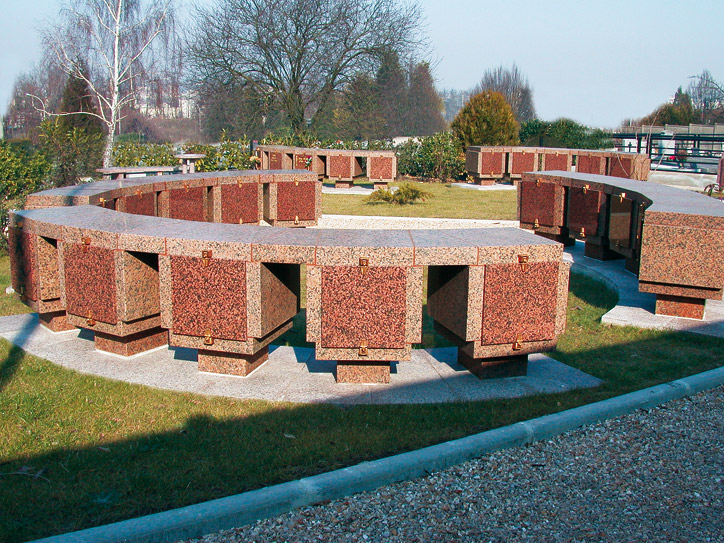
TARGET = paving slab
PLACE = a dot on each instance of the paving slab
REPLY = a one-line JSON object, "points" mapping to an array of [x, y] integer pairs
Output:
{"points": [[291, 374]]}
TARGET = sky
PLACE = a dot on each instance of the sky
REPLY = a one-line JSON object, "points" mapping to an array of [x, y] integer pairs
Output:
{"points": [[595, 61]]}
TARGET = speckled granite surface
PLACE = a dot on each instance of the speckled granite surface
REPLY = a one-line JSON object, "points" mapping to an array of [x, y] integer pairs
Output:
{"points": [[208, 298]]}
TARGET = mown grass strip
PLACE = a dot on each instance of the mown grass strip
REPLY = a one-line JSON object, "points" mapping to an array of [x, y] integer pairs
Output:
{"points": [[446, 201]]}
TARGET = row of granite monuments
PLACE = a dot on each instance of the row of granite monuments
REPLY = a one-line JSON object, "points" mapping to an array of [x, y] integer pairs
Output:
{"points": [[182, 260]]}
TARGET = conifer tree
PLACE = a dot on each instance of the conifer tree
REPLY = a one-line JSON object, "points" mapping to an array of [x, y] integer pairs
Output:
{"points": [[424, 104]]}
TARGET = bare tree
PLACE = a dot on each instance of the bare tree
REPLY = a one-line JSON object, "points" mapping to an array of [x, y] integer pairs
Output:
{"points": [[706, 94], [298, 52], [514, 87], [45, 80], [114, 38]]}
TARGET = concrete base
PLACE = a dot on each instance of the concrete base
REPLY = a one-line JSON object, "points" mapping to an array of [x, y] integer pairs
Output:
{"points": [[343, 184], [632, 265], [600, 253], [57, 321], [133, 344], [372, 371], [495, 368], [380, 185], [484, 181], [231, 363], [565, 239], [680, 306]]}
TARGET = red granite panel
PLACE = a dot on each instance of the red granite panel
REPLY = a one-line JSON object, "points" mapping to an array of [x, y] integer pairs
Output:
{"points": [[679, 306], [619, 223], [680, 255], [279, 295], [362, 307], [303, 162], [140, 286], [340, 166], [621, 166], [240, 204], [556, 161], [447, 297], [275, 161], [187, 204], [380, 168], [296, 199], [208, 298], [141, 204], [523, 161], [492, 164], [591, 164], [24, 263], [584, 208], [90, 282], [541, 202], [363, 372], [519, 305]]}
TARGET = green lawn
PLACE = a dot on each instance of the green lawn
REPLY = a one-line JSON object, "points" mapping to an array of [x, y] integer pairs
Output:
{"points": [[10, 304], [79, 451], [447, 201]]}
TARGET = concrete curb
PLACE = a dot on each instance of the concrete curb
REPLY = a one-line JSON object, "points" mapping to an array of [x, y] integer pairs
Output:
{"points": [[216, 515]]}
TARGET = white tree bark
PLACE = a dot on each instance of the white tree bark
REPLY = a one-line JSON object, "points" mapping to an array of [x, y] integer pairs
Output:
{"points": [[114, 37]]}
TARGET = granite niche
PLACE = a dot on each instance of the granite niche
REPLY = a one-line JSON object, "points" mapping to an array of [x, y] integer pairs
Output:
{"points": [[339, 165], [200, 272], [486, 165], [670, 238]]}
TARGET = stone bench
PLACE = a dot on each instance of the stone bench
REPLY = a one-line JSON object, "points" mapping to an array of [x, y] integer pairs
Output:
{"points": [[118, 172], [488, 164], [671, 238], [339, 165], [229, 290]]}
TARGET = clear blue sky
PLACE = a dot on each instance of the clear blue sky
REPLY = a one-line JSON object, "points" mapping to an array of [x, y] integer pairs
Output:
{"points": [[597, 62]]}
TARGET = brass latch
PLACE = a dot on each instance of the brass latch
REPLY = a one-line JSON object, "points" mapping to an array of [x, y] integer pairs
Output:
{"points": [[364, 265], [537, 182], [585, 188], [536, 224], [296, 183], [85, 243], [186, 187], [296, 219], [205, 257], [518, 344], [621, 197], [582, 232], [102, 200], [238, 183], [90, 320], [523, 261], [208, 339], [363, 348], [138, 192]]}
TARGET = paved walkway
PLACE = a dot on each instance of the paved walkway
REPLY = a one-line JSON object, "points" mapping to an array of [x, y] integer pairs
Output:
{"points": [[292, 373]]}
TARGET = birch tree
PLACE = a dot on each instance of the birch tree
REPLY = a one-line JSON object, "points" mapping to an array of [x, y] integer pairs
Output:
{"points": [[115, 39]]}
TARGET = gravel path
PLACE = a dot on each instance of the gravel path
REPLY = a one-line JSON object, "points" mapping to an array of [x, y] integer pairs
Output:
{"points": [[654, 475]]}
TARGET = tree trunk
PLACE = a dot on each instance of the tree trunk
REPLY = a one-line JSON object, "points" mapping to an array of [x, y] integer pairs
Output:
{"points": [[108, 150]]}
